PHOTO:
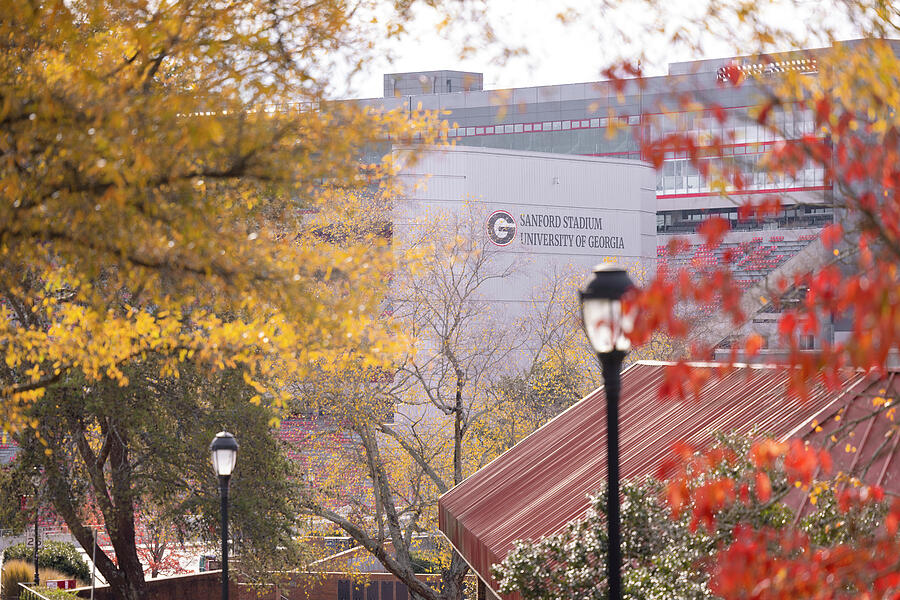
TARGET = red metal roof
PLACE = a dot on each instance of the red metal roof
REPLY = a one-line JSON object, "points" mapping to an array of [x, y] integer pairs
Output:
{"points": [[542, 483], [863, 446]]}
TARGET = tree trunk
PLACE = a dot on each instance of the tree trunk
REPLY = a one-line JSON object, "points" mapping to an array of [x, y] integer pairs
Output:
{"points": [[453, 579], [458, 429], [126, 575]]}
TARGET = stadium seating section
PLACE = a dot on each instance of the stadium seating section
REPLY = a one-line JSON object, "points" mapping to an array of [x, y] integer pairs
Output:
{"points": [[748, 260]]}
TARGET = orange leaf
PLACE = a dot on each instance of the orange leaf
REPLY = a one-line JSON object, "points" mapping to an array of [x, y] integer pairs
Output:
{"points": [[831, 235], [764, 453], [892, 521], [800, 462], [677, 496], [763, 487], [754, 344], [713, 230], [787, 324]]}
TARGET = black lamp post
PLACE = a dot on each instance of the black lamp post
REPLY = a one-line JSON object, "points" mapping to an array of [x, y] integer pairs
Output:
{"points": [[36, 480], [607, 327], [224, 454]]}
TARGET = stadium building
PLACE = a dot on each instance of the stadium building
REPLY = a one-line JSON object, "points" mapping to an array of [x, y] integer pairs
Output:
{"points": [[538, 216], [614, 119]]}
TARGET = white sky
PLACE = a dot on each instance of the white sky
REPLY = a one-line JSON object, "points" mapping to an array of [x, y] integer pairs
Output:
{"points": [[577, 51]]}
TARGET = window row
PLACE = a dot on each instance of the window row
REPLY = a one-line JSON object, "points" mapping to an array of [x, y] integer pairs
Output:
{"points": [[679, 176]]}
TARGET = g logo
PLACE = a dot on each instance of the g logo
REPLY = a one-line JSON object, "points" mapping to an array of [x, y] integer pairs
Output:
{"points": [[501, 228]]}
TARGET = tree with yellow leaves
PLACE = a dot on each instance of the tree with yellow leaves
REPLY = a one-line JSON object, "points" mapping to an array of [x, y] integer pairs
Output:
{"points": [[166, 167], [171, 177], [447, 406]]}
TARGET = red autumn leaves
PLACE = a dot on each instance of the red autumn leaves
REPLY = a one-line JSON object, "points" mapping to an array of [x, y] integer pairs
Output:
{"points": [[769, 565], [783, 564], [800, 462], [855, 153], [857, 281]]}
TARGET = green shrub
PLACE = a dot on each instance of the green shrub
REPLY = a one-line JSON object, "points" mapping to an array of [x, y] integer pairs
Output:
{"points": [[423, 564], [58, 594], [19, 571], [62, 556]]}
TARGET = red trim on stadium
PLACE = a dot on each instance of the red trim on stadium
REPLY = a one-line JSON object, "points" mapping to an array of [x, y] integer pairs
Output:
{"points": [[529, 127]]}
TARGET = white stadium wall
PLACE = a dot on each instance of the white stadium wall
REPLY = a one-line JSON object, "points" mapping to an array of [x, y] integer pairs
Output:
{"points": [[539, 213]]}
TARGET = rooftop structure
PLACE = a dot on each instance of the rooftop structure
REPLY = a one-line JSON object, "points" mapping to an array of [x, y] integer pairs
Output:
{"points": [[431, 82], [543, 482]]}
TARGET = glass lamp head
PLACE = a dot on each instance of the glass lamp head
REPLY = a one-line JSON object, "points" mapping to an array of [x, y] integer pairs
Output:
{"points": [[224, 453], [606, 325]]}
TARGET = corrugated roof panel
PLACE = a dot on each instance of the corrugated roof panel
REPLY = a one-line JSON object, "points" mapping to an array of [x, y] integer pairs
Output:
{"points": [[542, 483]]}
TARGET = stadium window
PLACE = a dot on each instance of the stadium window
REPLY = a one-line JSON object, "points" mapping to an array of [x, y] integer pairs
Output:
{"points": [[754, 133]]}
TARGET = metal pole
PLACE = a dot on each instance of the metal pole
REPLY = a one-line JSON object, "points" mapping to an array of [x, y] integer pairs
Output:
{"points": [[94, 563], [223, 492], [37, 578], [611, 364]]}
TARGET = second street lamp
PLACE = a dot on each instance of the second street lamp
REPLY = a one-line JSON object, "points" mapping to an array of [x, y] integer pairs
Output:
{"points": [[607, 327], [224, 454], [36, 481]]}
